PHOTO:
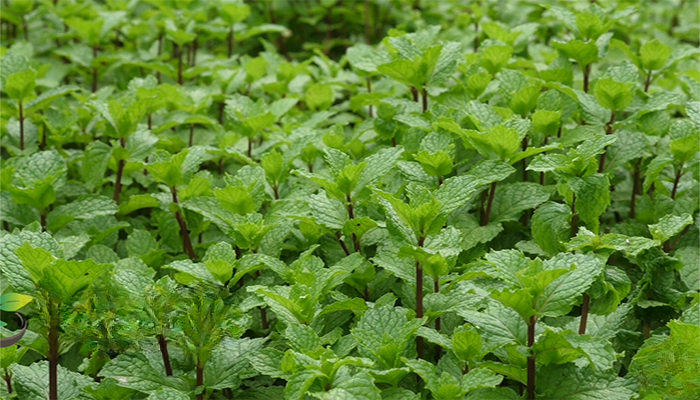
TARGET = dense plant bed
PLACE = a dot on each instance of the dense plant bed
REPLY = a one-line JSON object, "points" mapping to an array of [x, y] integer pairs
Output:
{"points": [[357, 200]]}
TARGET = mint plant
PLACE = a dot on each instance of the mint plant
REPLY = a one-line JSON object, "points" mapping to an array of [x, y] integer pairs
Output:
{"points": [[349, 199]]}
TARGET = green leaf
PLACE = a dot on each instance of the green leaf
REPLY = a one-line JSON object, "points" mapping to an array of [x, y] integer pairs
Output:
{"points": [[13, 301], [138, 373], [584, 53], [560, 295], [32, 382], [551, 226], [467, 343], [95, 160], [669, 226], [495, 58], [654, 55], [84, 207], [546, 122], [666, 366], [592, 198], [512, 199], [319, 97], [60, 278], [685, 149], [569, 382], [402, 71], [20, 85], [384, 333], [615, 96], [228, 364]]}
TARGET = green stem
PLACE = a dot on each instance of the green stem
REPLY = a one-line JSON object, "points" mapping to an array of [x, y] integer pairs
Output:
{"points": [[186, 242]]}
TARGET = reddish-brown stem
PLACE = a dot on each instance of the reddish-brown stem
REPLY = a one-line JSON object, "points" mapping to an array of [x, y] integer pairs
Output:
{"points": [[584, 314], [351, 214], [160, 52], [43, 220], [163, 344], [200, 378], [275, 190], [436, 288], [250, 147], [676, 181], [94, 69], [367, 18], [608, 131], [195, 47], [120, 172], [586, 77], [231, 40], [54, 321], [343, 245], [425, 100], [150, 122], [8, 381], [24, 28], [486, 216], [179, 64], [531, 360], [647, 82], [393, 141], [636, 188], [414, 92], [523, 162], [21, 126], [369, 90], [419, 299], [574, 218], [186, 242]]}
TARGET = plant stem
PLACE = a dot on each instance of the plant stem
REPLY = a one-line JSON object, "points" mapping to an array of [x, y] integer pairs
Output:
{"points": [[195, 47], [486, 216], [425, 100], [179, 64], [369, 90], [367, 17], [200, 378], [414, 92], [523, 163], [476, 37], [120, 172], [584, 314], [250, 147], [191, 135], [343, 245], [351, 214], [676, 181], [43, 220], [160, 52], [647, 82], [186, 242], [438, 348], [8, 380], [231, 40], [419, 299], [94, 69], [531, 360], [574, 218], [24, 28], [21, 125], [54, 321], [586, 77], [163, 344], [608, 131]]}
